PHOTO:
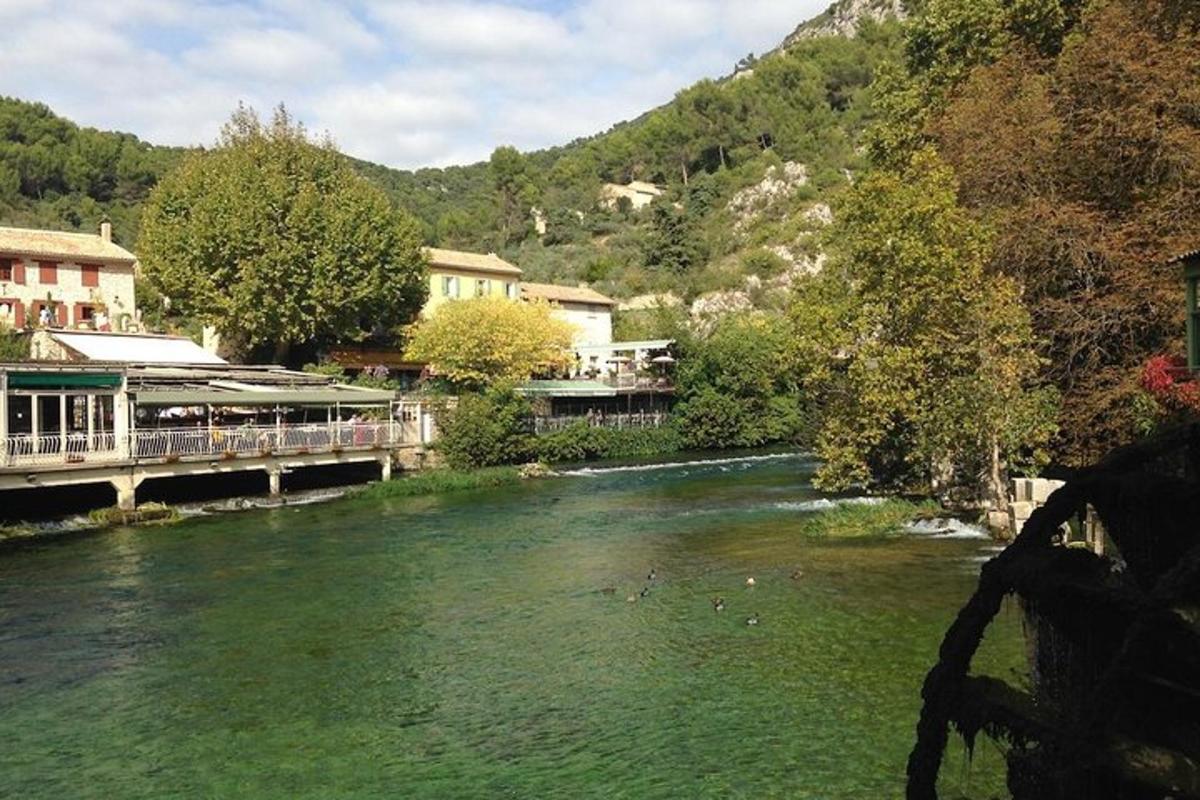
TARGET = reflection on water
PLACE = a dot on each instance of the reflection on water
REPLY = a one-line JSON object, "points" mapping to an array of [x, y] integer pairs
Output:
{"points": [[481, 645]]}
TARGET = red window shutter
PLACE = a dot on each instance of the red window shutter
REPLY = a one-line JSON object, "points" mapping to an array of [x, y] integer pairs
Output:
{"points": [[18, 314], [19, 272], [61, 308], [77, 314], [91, 274], [47, 272]]}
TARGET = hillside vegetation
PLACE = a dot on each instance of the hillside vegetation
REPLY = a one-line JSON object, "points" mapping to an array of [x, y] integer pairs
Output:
{"points": [[807, 105]]}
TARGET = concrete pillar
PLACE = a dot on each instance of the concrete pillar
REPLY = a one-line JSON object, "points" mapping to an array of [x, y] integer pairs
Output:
{"points": [[275, 479], [123, 429], [385, 463], [126, 486]]}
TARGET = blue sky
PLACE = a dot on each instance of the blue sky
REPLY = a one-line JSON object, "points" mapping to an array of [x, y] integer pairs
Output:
{"points": [[403, 82]]}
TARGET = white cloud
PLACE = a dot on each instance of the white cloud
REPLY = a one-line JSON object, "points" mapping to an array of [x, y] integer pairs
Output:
{"points": [[274, 55], [404, 82], [491, 31]]}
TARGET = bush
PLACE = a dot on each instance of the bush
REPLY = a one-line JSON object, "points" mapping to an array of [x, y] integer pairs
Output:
{"points": [[484, 430], [440, 481], [581, 442]]}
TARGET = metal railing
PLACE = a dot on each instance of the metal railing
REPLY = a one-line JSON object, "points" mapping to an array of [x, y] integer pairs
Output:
{"points": [[166, 444], [258, 440], [654, 419], [55, 448]]}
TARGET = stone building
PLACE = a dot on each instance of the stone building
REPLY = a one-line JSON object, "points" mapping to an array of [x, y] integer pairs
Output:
{"points": [[586, 309], [80, 280]]}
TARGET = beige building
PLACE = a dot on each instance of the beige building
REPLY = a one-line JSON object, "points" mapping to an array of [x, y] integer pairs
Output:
{"points": [[80, 280], [639, 193], [586, 309], [457, 275]]}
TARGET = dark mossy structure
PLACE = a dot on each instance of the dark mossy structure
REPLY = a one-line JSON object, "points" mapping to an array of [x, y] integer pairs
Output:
{"points": [[1113, 708]]}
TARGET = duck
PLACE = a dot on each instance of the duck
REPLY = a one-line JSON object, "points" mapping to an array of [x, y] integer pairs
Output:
{"points": [[719, 604], [752, 619], [653, 574], [750, 582], [798, 574], [645, 591], [633, 598]]}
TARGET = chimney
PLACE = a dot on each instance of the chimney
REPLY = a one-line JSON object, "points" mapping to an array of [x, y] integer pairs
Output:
{"points": [[106, 231]]}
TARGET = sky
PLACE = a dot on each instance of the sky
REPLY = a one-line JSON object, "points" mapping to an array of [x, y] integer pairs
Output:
{"points": [[407, 83]]}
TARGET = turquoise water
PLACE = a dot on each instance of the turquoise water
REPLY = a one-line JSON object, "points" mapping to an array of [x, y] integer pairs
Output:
{"points": [[463, 646]]}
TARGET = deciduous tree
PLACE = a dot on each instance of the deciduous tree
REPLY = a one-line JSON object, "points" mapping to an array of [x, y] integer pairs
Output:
{"points": [[275, 241], [475, 343]]}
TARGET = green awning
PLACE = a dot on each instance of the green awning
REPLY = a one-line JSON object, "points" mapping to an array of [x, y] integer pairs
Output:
{"points": [[63, 380], [566, 389]]}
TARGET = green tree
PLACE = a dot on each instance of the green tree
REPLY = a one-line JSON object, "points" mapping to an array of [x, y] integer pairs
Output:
{"points": [[485, 429], [739, 386], [275, 241], [517, 191], [934, 376]]}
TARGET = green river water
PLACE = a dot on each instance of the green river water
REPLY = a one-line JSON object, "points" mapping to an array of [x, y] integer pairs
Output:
{"points": [[461, 646]]}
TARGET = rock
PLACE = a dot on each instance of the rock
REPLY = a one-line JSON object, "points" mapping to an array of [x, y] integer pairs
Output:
{"points": [[536, 470]]}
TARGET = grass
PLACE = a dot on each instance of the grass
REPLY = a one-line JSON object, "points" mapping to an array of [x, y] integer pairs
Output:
{"points": [[862, 519], [440, 481]]}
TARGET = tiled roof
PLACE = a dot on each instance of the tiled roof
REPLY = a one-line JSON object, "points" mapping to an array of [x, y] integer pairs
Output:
{"points": [[457, 259], [61, 245], [563, 294]]}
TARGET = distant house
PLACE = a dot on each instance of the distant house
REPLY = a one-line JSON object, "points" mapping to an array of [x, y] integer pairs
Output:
{"points": [[458, 275], [81, 280], [588, 310], [639, 193]]}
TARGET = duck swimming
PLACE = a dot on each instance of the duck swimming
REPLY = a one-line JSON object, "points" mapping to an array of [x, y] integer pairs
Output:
{"points": [[750, 582], [653, 575], [719, 604], [798, 574], [752, 619], [645, 591]]}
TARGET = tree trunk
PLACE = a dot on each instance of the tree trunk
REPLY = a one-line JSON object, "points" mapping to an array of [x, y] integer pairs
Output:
{"points": [[995, 491], [683, 166], [282, 350], [721, 152]]}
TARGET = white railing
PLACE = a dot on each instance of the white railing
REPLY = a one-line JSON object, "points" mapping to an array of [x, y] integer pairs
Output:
{"points": [[54, 448], [167, 444], [259, 440]]}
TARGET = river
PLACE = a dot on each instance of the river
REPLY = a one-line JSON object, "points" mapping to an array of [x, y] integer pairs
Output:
{"points": [[463, 646]]}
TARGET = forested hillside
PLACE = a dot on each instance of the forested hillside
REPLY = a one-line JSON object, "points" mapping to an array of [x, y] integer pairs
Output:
{"points": [[807, 105]]}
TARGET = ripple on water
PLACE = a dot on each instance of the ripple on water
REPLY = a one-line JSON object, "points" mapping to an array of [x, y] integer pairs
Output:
{"points": [[462, 646]]}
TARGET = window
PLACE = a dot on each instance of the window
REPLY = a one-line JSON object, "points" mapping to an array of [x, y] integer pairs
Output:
{"points": [[47, 272], [449, 286], [510, 290], [90, 274], [1193, 327], [483, 288], [6, 270]]}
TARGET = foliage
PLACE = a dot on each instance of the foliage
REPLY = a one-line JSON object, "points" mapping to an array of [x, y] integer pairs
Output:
{"points": [[485, 429], [861, 520], [274, 240], [583, 442], [474, 343], [14, 346], [1072, 128], [1171, 384], [931, 373], [739, 386], [55, 174], [441, 481]]}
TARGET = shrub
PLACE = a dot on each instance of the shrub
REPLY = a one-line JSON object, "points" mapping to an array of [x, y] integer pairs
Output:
{"points": [[484, 430], [581, 442]]}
